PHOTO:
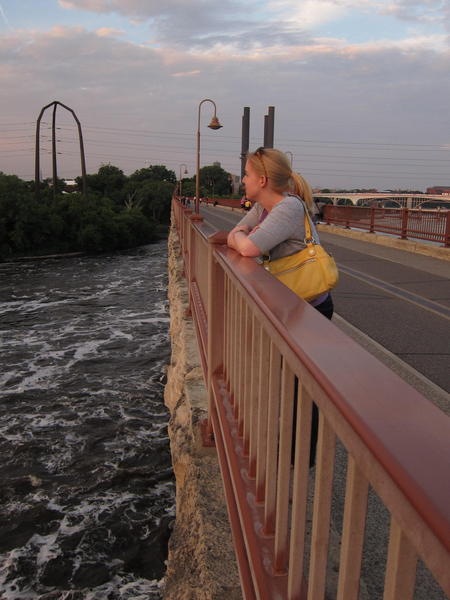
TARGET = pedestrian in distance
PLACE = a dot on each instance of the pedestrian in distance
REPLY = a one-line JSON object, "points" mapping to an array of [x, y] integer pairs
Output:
{"points": [[245, 203]]}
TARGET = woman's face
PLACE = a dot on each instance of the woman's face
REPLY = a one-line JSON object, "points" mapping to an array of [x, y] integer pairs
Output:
{"points": [[252, 182]]}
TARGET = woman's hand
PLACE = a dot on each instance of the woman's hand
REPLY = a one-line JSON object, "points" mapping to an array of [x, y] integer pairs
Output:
{"points": [[237, 239], [244, 228]]}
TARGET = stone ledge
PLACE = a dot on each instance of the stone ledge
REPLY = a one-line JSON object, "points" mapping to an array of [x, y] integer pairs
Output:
{"points": [[201, 562]]}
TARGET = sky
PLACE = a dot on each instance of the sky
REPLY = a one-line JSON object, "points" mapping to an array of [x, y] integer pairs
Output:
{"points": [[360, 88]]}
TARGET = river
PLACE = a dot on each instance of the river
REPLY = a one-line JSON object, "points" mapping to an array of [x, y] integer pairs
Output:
{"points": [[87, 496]]}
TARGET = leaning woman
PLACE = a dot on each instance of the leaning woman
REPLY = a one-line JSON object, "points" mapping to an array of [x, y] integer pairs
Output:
{"points": [[275, 227]]}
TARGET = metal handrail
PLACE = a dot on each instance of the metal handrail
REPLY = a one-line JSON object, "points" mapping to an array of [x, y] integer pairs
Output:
{"points": [[422, 224], [258, 336], [406, 223]]}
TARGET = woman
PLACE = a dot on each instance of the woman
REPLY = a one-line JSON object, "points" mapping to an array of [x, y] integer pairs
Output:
{"points": [[275, 225]]}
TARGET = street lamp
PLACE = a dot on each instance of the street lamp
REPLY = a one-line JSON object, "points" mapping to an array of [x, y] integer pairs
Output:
{"points": [[213, 125], [291, 155], [185, 173]]}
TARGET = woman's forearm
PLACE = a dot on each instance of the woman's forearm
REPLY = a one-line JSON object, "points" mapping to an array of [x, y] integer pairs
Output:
{"points": [[238, 239]]}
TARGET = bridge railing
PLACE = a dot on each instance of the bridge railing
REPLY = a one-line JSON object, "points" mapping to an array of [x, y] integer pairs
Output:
{"points": [[268, 358], [422, 224]]}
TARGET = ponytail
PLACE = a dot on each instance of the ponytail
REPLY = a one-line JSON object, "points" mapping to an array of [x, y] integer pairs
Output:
{"points": [[302, 188]]}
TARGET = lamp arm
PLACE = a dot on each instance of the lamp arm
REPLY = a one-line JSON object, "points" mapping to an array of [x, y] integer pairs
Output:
{"points": [[197, 178]]}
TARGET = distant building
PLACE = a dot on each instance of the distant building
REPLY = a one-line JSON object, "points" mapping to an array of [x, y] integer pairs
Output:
{"points": [[443, 190], [235, 182]]}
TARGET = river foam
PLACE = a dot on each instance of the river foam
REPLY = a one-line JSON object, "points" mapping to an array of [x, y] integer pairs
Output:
{"points": [[87, 500]]}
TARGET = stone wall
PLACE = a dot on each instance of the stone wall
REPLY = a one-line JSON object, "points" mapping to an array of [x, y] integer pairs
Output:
{"points": [[201, 563]]}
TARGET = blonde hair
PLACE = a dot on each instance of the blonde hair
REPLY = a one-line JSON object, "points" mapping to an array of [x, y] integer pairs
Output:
{"points": [[276, 166]]}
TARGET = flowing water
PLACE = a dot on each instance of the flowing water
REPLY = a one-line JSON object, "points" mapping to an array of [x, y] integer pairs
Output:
{"points": [[87, 490]]}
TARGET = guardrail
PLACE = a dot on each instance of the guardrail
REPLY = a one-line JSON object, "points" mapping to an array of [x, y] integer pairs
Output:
{"points": [[430, 225], [255, 338]]}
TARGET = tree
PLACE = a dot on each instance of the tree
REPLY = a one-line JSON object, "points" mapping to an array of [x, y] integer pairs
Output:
{"points": [[154, 199], [215, 181], [118, 212], [108, 182], [155, 173]]}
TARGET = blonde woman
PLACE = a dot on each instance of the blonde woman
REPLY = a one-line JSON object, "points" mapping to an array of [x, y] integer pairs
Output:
{"points": [[275, 226]]}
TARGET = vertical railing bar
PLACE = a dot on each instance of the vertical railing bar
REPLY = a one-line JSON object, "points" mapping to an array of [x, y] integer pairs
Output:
{"points": [[355, 510], [233, 346], [284, 468], [263, 396], [236, 342], [228, 331], [400, 567], [326, 444], [247, 376], [272, 439], [241, 352], [254, 396], [215, 310], [299, 492]]}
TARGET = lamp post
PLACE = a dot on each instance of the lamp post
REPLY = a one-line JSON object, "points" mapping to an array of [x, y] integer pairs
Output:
{"points": [[291, 155], [185, 172], [213, 125]]}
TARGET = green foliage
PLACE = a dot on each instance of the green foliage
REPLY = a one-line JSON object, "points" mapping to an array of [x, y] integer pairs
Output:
{"points": [[155, 173], [188, 187], [214, 181], [118, 212], [72, 222]]}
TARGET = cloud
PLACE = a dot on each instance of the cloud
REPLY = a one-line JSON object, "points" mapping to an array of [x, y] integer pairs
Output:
{"points": [[186, 73], [109, 31], [322, 86], [5, 18], [232, 25], [416, 11], [309, 13]]}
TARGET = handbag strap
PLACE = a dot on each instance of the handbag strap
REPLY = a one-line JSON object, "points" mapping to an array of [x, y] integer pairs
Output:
{"points": [[308, 231]]}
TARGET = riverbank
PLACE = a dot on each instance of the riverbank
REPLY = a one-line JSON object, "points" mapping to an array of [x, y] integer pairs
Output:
{"points": [[201, 562]]}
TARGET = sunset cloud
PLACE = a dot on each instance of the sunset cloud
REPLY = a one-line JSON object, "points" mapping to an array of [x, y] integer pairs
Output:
{"points": [[145, 65], [109, 31]]}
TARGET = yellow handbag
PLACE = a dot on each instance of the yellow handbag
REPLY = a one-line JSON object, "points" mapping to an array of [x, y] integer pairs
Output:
{"points": [[310, 272]]}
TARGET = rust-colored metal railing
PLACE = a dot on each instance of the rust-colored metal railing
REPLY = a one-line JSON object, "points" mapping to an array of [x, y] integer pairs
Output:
{"points": [[268, 358], [430, 225], [405, 223]]}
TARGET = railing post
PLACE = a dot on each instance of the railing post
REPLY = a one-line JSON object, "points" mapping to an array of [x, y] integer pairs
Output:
{"points": [[372, 219], [404, 235], [185, 228], [447, 230], [215, 315], [191, 249]]}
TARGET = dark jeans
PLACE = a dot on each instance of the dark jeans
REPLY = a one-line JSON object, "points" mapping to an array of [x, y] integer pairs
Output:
{"points": [[326, 309]]}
